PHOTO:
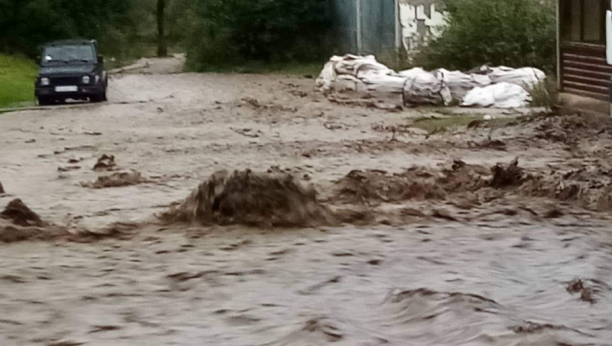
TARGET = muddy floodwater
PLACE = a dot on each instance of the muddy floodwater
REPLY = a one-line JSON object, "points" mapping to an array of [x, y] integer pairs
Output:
{"points": [[429, 237]]}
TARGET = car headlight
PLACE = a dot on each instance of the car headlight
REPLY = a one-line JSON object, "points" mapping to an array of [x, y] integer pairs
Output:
{"points": [[45, 81], [86, 79]]}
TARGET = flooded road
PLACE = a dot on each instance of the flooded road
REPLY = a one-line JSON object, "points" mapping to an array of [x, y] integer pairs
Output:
{"points": [[460, 257], [456, 284]]}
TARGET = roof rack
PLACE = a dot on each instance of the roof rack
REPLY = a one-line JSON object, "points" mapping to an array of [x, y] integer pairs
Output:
{"points": [[70, 42]]}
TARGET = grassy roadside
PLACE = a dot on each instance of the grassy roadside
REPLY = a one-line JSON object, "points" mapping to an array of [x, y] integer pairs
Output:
{"points": [[17, 76]]}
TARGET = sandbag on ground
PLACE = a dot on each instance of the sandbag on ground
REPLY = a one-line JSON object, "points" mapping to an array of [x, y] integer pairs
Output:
{"points": [[501, 95], [425, 89], [526, 77], [460, 83]]}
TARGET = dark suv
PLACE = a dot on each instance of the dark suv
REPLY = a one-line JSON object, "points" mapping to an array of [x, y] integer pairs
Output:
{"points": [[71, 70]]}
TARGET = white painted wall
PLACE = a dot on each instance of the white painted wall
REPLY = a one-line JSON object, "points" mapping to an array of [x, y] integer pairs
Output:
{"points": [[417, 26]]}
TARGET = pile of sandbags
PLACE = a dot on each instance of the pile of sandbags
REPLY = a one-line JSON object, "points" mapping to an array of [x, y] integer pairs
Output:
{"points": [[360, 74], [499, 87]]}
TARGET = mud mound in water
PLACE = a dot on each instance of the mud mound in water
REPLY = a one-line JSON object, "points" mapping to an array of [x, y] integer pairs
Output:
{"points": [[571, 128], [11, 233], [1, 189], [589, 186], [256, 199], [19, 223], [416, 183], [19, 214], [119, 179]]}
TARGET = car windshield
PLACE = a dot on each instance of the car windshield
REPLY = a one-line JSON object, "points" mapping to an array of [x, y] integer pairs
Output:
{"points": [[67, 54]]}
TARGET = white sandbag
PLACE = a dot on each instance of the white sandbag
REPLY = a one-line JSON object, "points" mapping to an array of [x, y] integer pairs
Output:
{"points": [[501, 95], [478, 97], [352, 73], [460, 83], [327, 78], [347, 82], [379, 83], [481, 80], [425, 89], [412, 72], [352, 64], [526, 77]]}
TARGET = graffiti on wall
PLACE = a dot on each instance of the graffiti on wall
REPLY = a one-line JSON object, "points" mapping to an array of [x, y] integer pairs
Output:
{"points": [[420, 22]]}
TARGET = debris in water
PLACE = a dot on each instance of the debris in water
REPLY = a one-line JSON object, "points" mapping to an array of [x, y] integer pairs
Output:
{"points": [[553, 213], [105, 163], [474, 124], [443, 214], [118, 179], [511, 175], [19, 214], [68, 168], [258, 199], [489, 144], [247, 132], [586, 292], [2, 189]]}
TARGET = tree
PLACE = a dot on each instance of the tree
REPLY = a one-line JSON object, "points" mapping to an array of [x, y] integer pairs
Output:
{"points": [[162, 44], [229, 32]]}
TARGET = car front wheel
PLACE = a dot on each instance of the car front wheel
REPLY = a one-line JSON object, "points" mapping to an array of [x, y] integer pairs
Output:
{"points": [[44, 101]]}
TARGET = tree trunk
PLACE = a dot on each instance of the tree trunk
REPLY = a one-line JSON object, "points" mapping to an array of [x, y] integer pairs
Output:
{"points": [[162, 45]]}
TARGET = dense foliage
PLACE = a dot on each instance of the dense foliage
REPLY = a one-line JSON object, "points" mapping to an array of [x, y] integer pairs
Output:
{"points": [[271, 31], [499, 32], [124, 28]]}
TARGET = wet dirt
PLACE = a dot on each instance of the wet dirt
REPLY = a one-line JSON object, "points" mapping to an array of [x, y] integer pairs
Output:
{"points": [[445, 240], [118, 179], [252, 199]]}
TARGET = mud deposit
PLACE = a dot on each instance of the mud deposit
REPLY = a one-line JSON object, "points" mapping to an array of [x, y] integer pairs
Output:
{"points": [[249, 210]]}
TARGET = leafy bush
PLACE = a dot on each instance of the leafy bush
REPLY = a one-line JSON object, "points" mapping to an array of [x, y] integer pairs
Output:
{"points": [[499, 32], [271, 31]]}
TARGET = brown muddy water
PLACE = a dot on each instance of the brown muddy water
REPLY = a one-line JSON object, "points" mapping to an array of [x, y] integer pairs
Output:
{"points": [[428, 243]]}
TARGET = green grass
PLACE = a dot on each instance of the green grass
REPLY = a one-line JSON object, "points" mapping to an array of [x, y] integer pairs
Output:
{"points": [[17, 76], [545, 94], [437, 125]]}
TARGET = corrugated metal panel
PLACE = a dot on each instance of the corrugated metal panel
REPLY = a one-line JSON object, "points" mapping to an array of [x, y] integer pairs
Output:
{"points": [[584, 71], [377, 26], [345, 14]]}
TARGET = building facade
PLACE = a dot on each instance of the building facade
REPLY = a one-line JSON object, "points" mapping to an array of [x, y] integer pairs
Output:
{"points": [[386, 27], [583, 71]]}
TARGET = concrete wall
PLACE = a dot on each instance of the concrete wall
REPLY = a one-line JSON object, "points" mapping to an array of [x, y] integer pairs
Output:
{"points": [[420, 21]]}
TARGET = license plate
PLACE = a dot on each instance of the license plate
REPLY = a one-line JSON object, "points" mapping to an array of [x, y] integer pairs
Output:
{"points": [[66, 89]]}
